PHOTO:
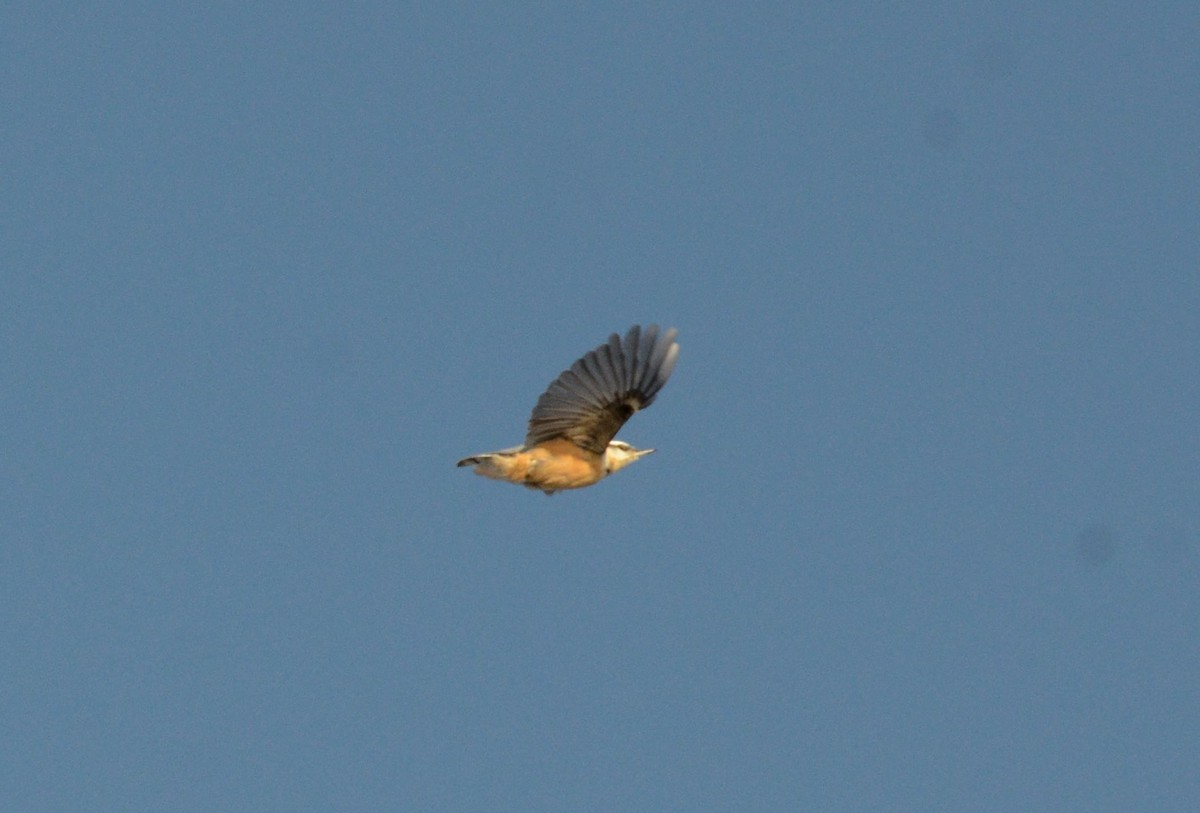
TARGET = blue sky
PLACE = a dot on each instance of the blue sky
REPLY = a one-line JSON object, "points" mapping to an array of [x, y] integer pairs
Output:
{"points": [[923, 531]]}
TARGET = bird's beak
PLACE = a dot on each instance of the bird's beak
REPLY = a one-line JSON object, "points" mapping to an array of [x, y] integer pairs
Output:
{"points": [[644, 452]]}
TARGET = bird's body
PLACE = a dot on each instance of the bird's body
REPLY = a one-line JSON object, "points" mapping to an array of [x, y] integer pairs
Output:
{"points": [[570, 443]]}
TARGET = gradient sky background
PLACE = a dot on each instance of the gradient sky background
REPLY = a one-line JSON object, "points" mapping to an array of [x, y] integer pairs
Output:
{"points": [[923, 531]]}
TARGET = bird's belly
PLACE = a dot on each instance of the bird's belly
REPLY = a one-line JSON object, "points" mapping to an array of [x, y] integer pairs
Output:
{"points": [[554, 472]]}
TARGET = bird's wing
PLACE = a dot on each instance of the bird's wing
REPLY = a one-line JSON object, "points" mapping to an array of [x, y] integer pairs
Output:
{"points": [[588, 403]]}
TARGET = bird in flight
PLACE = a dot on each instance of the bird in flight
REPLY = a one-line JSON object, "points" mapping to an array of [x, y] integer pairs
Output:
{"points": [[571, 439]]}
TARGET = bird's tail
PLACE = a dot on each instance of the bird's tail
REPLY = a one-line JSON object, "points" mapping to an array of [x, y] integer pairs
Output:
{"points": [[476, 459]]}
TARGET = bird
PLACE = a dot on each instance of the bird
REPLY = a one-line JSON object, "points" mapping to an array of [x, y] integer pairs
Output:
{"points": [[571, 440]]}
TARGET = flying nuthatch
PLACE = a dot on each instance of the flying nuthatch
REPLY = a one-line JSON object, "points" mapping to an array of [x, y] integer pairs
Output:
{"points": [[570, 442]]}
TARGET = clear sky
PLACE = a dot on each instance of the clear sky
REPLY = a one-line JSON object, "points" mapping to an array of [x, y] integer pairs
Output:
{"points": [[923, 531]]}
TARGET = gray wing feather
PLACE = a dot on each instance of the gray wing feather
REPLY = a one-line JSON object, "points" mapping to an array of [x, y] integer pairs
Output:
{"points": [[589, 402]]}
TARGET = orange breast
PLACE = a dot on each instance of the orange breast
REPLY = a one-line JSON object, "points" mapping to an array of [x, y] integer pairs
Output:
{"points": [[558, 464]]}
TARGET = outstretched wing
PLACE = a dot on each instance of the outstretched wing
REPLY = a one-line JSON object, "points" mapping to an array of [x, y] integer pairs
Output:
{"points": [[588, 403]]}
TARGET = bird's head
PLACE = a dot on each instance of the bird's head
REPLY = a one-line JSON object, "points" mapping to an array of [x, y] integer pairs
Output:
{"points": [[620, 454]]}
